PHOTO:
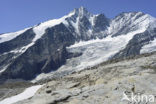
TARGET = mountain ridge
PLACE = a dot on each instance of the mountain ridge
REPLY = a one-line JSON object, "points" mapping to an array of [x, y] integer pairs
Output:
{"points": [[44, 47]]}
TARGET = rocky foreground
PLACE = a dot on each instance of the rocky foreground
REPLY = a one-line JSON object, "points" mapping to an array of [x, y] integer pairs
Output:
{"points": [[103, 84]]}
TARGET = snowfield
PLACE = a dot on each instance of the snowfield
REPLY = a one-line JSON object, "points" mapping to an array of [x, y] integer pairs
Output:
{"points": [[10, 36], [29, 92], [97, 51]]}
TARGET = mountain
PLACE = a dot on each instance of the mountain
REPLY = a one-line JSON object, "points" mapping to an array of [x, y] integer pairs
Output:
{"points": [[74, 42]]}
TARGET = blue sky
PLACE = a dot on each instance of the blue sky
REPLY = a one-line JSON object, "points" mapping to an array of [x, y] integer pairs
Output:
{"points": [[19, 14]]}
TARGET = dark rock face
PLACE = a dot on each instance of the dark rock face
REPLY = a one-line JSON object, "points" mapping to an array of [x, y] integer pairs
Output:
{"points": [[101, 23], [48, 54], [85, 26], [24, 38], [5, 56]]}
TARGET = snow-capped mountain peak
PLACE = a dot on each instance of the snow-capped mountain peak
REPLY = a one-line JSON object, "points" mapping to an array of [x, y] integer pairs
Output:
{"points": [[129, 21], [82, 12], [51, 45]]}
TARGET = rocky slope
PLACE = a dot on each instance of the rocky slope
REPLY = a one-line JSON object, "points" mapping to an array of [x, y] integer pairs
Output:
{"points": [[101, 84], [75, 41]]}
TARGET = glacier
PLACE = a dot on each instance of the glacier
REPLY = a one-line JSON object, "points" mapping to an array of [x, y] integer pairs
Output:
{"points": [[93, 52]]}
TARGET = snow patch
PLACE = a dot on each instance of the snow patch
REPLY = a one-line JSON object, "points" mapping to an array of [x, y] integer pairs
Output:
{"points": [[91, 19], [10, 36], [4, 68], [40, 30], [29, 92], [76, 25], [151, 47]]}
